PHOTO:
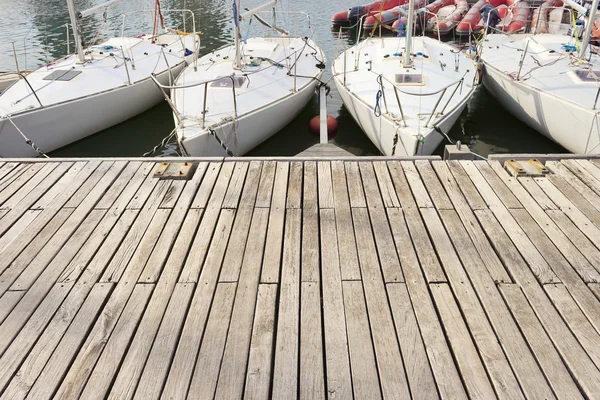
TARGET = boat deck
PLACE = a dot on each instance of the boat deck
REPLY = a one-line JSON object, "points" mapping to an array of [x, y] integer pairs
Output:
{"points": [[298, 278]]}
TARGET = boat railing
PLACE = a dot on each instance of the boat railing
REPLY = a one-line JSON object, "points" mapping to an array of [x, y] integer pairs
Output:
{"points": [[529, 22], [191, 85], [296, 27], [442, 91], [22, 76], [184, 13]]}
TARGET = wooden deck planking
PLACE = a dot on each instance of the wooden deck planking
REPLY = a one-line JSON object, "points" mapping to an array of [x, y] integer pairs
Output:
{"points": [[118, 284]]}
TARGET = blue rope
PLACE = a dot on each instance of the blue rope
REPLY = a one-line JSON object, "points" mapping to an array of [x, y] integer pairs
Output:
{"points": [[235, 14], [248, 31], [377, 109]]}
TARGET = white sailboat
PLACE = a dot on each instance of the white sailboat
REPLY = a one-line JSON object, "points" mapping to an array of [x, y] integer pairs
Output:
{"points": [[94, 89], [240, 95], [404, 92], [549, 84]]}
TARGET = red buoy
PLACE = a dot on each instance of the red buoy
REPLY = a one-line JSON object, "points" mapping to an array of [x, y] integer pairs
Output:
{"points": [[315, 125]]}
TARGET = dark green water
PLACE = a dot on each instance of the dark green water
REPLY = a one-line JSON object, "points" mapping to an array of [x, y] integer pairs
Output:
{"points": [[32, 26]]}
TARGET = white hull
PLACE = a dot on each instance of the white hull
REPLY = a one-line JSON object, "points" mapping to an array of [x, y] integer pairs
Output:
{"points": [[371, 66], [267, 99], [548, 95], [253, 128], [575, 128], [53, 127], [103, 92]]}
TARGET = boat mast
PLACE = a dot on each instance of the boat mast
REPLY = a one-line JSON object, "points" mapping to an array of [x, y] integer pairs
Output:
{"points": [[588, 29], [75, 25], [237, 63], [406, 61]]}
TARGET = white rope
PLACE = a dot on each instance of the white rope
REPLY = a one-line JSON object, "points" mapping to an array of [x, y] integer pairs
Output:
{"points": [[27, 140]]}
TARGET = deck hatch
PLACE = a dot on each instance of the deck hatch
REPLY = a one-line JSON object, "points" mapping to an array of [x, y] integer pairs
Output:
{"points": [[226, 82], [587, 75], [62, 75], [409, 79]]}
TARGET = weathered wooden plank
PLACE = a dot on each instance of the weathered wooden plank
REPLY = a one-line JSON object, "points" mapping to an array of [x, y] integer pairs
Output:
{"points": [[467, 186], [576, 320], [486, 252], [202, 240], [418, 372], [206, 373], [90, 270], [21, 180], [325, 185], [541, 198], [179, 377], [27, 196], [435, 189], [370, 185], [337, 362], [144, 190], [442, 365], [173, 228], [386, 187], [595, 288], [515, 347], [310, 198], [210, 177], [572, 186], [135, 172], [426, 253], [154, 371], [13, 355], [355, 187], [579, 240], [102, 375], [343, 220], [77, 173], [183, 224], [416, 185], [365, 380], [258, 377], [84, 189], [493, 357], [96, 341], [48, 360], [476, 380], [17, 228], [272, 258], [32, 250], [541, 346], [142, 236], [581, 220], [248, 196], [233, 369], [36, 187], [522, 241], [285, 370], [6, 168], [310, 246], [312, 379], [582, 174], [295, 183], [30, 303], [389, 360], [8, 301], [173, 194], [265, 187], [576, 196], [232, 196], [10, 177], [502, 191], [578, 362], [561, 267]]}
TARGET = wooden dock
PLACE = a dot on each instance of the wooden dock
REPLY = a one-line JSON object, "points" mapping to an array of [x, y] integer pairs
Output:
{"points": [[299, 278]]}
